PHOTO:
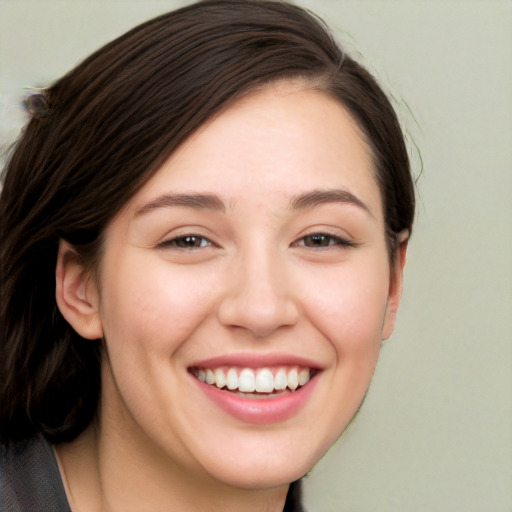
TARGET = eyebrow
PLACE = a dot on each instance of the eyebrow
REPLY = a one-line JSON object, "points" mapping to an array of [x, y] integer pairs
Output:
{"points": [[203, 201], [318, 197], [196, 201]]}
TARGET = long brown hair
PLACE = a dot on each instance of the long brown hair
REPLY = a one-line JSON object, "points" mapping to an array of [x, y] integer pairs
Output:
{"points": [[100, 132]]}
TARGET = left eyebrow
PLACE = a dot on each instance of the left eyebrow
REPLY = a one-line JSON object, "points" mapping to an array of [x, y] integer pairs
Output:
{"points": [[318, 197], [196, 201]]}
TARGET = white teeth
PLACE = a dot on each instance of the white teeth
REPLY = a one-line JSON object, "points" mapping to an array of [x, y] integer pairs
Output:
{"points": [[260, 381], [246, 381], [293, 378], [265, 381], [232, 379], [280, 380], [220, 378], [210, 377], [304, 376]]}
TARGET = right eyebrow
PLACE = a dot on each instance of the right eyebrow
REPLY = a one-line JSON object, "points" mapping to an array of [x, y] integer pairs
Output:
{"points": [[196, 200], [318, 196]]}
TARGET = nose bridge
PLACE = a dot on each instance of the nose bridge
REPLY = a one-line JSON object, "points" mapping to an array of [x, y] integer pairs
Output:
{"points": [[259, 298]]}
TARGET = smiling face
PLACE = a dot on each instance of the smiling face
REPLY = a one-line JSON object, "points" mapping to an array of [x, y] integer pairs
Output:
{"points": [[243, 294]]}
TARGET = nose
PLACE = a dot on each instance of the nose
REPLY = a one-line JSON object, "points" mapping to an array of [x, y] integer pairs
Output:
{"points": [[258, 297]]}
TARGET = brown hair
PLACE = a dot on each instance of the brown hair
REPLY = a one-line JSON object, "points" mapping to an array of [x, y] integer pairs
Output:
{"points": [[100, 132]]}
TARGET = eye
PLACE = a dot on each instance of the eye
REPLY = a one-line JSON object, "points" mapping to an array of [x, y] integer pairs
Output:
{"points": [[187, 242], [323, 240]]}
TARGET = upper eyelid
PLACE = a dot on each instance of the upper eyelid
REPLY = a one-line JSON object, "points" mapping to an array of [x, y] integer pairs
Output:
{"points": [[344, 240], [184, 230], [325, 232]]}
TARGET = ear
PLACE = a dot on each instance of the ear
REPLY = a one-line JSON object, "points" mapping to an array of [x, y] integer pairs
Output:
{"points": [[395, 285], [76, 294]]}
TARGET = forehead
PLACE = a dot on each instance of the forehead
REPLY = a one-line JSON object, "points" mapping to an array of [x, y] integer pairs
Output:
{"points": [[278, 142]]}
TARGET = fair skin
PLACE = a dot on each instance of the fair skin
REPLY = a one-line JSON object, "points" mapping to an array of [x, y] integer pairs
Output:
{"points": [[259, 245]]}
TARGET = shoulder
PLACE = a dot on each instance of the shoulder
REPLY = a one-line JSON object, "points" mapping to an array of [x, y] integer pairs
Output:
{"points": [[30, 478]]}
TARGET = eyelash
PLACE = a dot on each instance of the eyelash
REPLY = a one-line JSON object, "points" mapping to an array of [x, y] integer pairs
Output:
{"points": [[333, 241], [175, 242], [189, 241]]}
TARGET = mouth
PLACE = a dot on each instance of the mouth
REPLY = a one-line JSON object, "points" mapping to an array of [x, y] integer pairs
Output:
{"points": [[264, 382]]}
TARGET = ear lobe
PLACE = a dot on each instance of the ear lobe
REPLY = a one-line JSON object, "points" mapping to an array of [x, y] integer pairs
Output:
{"points": [[395, 285], [76, 294]]}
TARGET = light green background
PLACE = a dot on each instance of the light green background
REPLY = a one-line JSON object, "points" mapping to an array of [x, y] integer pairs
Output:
{"points": [[435, 434]]}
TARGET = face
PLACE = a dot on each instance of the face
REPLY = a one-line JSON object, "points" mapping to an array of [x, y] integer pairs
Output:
{"points": [[244, 292]]}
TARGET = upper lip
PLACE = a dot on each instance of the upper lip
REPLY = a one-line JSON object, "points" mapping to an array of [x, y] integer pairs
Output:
{"points": [[257, 360]]}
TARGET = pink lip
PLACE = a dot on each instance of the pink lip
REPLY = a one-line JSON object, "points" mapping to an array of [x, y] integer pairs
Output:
{"points": [[252, 360], [258, 411]]}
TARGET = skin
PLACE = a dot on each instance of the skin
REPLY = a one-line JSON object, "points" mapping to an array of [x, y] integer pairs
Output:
{"points": [[255, 280]]}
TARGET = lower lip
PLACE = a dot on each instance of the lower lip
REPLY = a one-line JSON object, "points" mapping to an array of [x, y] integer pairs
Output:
{"points": [[259, 411]]}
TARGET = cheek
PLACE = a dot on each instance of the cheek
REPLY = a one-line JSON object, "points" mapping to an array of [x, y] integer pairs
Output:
{"points": [[149, 312], [349, 307], [154, 307]]}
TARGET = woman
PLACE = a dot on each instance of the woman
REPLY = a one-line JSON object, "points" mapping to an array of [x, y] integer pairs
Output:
{"points": [[204, 229]]}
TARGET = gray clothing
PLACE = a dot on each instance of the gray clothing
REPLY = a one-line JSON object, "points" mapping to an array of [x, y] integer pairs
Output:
{"points": [[30, 479]]}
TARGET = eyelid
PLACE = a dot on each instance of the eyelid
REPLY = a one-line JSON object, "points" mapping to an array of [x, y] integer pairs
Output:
{"points": [[340, 240], [171, 241]]}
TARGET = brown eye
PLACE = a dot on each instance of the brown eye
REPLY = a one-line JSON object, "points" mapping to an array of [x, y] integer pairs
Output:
{"points": [[187, 242], [322, 240], [317, 241]]}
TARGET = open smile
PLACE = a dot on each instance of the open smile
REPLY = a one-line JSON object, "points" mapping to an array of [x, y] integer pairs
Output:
{"points": [[256, 382], [260, 395]]}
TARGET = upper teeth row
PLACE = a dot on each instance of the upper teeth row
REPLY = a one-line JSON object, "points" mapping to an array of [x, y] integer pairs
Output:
{"points": [[249, 380]]}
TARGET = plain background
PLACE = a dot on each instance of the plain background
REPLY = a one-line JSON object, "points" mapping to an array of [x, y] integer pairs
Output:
{"points": [[435, 433]]}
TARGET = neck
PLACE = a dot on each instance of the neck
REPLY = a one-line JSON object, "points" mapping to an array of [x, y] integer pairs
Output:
{"points": [[106, 473]]}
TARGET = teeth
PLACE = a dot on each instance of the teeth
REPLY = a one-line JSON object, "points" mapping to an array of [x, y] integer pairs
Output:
{"points": [[303, 376], [232, 379], [280, 381], [210, 377], [265, 381], [220, 378], [249, 380], [293, 379]]}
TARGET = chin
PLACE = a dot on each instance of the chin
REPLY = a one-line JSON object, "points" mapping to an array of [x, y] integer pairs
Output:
{"points": [[259, 471], [261, 478]]}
